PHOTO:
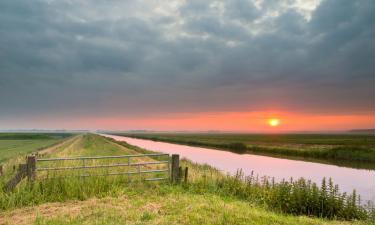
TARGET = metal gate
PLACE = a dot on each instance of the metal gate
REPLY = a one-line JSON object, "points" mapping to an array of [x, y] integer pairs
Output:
{"points": [[162, 166], [132, 164]]}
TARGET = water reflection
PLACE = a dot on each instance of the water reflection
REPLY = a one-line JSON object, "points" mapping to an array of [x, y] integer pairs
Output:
{"points": [[347, 178]]}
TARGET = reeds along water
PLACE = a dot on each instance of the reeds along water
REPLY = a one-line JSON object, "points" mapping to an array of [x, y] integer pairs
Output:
{"points": [[297, 197]]}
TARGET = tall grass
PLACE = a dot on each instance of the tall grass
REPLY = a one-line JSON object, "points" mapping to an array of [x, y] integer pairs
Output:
{"points": [[66, 184], [297, 197], [61, 189]]}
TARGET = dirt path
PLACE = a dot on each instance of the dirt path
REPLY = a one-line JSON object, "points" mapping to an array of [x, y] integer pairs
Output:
{"points": [[67, 144]]}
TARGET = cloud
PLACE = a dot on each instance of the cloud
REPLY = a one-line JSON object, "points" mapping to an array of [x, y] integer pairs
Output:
{"points": [[133, 58]]}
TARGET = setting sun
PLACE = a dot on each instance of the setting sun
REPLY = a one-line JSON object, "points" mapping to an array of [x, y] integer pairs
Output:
{"points": [[273, 122]]}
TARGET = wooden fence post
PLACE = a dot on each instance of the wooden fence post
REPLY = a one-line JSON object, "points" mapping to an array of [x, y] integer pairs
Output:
{"points": [[11, 184], [186, 174], [180, 173], [175, 168], [31, 166]]}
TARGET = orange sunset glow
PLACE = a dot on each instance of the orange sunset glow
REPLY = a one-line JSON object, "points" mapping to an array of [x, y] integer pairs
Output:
{"points": [[258, 121]]}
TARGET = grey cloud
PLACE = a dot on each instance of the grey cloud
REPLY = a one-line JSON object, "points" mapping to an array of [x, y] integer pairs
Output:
{"points": [[244, 10], [345, 45], [125, 58]]}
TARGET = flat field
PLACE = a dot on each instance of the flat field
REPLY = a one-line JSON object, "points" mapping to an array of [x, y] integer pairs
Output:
{"points": [[334, 147], [18, 144]]}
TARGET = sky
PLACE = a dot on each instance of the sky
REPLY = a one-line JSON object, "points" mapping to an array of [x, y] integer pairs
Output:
{"points": [[187, 64]]}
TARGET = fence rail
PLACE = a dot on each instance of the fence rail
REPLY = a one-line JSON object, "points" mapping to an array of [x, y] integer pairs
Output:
{"points": [[100, 166], [119, 173], [101, 157], [143, 167]]}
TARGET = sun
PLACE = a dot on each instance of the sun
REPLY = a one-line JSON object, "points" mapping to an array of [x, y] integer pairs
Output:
{"points": [[274, 122]]}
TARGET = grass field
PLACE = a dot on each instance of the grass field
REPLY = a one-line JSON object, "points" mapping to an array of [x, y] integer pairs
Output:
{"points": [[333, 147], [18, 144], [208, 198]]}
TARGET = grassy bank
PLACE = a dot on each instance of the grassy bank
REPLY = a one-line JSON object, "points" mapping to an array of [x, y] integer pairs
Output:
{"points": [[209, 198], [156, 205], [353, 148], [298, 197]]}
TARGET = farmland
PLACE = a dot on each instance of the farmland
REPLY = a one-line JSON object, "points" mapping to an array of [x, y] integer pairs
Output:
{"points": [[17, 144], [208, 198], [347, 149]]}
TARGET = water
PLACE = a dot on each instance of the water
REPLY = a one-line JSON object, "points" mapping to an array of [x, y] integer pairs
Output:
{"points": [[347, 178]]}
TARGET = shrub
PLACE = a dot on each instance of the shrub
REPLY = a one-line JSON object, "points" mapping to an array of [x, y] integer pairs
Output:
{"points": [[237, 147]]}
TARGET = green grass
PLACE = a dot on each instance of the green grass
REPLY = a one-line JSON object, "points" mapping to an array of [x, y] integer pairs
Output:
{"points": [[161, 205], [58, 189], [209, 198], [32, 136], [249, 139], [333, 147], [19, 144]]}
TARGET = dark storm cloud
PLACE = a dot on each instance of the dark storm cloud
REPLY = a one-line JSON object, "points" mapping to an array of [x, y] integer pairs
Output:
{"points": [[133, 58]]}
